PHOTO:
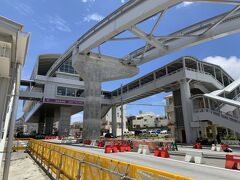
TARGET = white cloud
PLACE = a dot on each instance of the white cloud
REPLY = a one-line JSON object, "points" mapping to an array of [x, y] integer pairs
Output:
{"points": [[21, 8], [184, 4], [231, 65], [57, 23], [123, 1], [93, 17]]}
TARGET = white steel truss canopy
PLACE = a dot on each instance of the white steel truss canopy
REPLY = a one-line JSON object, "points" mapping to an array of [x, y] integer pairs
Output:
{"points": [[136, 11]]}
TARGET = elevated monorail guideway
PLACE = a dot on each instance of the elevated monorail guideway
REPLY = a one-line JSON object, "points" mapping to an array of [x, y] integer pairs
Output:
{"points": [[134, 12], [95, 67]]}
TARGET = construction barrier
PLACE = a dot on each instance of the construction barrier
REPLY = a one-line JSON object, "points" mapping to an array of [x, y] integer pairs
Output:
{"points": [[152, 144], [100, 143], [161, 152], [143, 149], [213, 148], [87, 142], [64, 163], [51, 137], [219, 148], [232, 161], [194, 157], [197, 146], [111, 149], [224, 146]]}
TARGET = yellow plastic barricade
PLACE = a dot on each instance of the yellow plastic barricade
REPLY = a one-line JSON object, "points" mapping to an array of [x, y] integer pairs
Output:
{"points": [[64, 163]]}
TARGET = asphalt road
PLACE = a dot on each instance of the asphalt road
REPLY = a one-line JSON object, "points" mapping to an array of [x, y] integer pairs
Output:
{"points": [[196, 171]]}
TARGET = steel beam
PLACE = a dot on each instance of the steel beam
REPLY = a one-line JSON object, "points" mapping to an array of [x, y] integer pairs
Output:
{"points": [[122, 19], [148, 39], [135, 12], [229, 26], [217, 1], [158, 22], [222, 19]]}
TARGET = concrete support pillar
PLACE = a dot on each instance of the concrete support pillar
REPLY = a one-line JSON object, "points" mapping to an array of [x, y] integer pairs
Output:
{"points": [[48, 122], [92, 109], [94, 69], [226, 131], [114, 121], [187, 108], [64, 120], [204, 132], [214, 131]]}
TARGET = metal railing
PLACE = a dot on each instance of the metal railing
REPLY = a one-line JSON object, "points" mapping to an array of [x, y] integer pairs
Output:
{"points": [[218, 113], [234, 98], [166, 75], [63, 163]]}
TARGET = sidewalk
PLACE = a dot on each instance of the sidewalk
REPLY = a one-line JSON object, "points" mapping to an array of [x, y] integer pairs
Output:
{"points": [[23, 167]]}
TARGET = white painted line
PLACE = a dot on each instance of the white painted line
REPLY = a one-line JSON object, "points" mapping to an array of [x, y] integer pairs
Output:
{"points": [[174, 160]]}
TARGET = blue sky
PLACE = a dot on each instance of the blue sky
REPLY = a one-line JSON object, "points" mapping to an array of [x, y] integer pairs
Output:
{"points": [[54, 25]]}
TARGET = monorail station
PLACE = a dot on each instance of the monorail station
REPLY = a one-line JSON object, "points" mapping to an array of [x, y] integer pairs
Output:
{"points": [[205, 96], [205, 89]]}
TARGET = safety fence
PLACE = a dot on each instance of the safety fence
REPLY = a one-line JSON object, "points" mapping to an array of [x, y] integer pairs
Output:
{"points": [[65, 163]]}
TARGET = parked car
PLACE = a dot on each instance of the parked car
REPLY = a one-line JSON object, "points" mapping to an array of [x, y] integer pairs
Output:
{"points": [[164, 132], [152, 132], [129, 133], [141, 132], [109, 135]]}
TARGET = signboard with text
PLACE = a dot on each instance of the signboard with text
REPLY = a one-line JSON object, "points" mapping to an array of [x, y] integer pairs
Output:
{"points": [[63, 101]]}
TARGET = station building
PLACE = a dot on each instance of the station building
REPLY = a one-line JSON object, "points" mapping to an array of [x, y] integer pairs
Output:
{"points": [[53, 100], [203, 95]]}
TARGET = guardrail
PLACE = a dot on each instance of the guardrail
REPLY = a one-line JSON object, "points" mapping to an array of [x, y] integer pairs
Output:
{"points": [[65, 163], [218, 113], [164, 76]]}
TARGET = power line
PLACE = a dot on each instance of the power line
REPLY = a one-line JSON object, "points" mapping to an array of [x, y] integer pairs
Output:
{"points": [[159, 105], [147, 105]]}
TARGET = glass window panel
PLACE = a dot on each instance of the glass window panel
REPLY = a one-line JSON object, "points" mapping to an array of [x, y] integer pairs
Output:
{"points": [[79, 92], [71, 92], [61, 91]]}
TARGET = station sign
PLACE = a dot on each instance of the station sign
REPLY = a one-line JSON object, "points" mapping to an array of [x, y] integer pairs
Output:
{"points": [[63, 101]]}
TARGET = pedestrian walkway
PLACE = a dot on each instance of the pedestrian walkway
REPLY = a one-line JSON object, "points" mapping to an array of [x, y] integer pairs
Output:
{"points": [[23, 167]]}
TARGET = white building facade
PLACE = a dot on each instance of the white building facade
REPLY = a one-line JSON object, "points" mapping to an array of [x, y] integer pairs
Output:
{"points": [[107, 121], [149, 120]]}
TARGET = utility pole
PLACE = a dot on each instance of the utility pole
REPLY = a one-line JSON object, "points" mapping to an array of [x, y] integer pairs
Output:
{"points": [[121, 112]]}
